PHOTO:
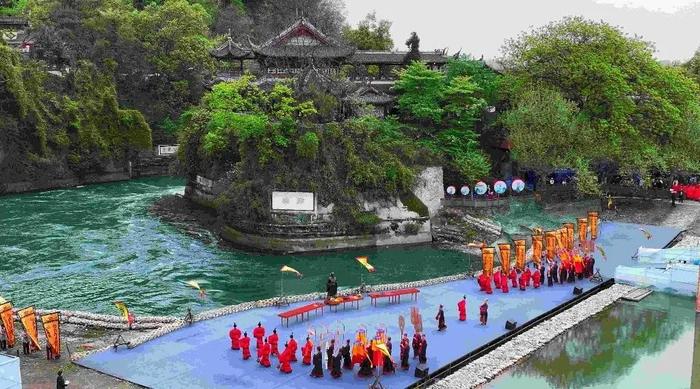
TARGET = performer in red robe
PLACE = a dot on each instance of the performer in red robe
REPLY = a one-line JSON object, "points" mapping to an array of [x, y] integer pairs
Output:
{"points": [[258, 349], [514, 278], [245, 345], [578, 266], [235, 335], [265, 357], [285, 366], [528, 275], [306, 352], [292, 348], [522, 281], [377, 356], [462, 308], [497, 279], [481, 280], [274, 340], [504, 283], [536, 279], [259, 333]]}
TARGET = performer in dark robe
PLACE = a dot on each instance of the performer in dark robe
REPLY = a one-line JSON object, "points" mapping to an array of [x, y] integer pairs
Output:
{"points": [[562, 273], [331, 286], [586, 266], [536, 279], [366, 365], [441, 319], [306, 352], [265, 358], [292, 349], [245, 345], [592, 266], [497, 279], [329, 354], [318, 364], [504, 283], [462, 308], [347, 358], [542, 272], [484, 312], [235, 335], [274, 340], [405, 347], [415, 344], [555, 274], [571, 273], [388, 363], [336, 371], [423, 355], [550, 281], [513, 278], [284, 359]]}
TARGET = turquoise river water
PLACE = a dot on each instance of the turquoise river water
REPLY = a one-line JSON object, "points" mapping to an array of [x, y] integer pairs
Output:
{"points": [[84, 248]]}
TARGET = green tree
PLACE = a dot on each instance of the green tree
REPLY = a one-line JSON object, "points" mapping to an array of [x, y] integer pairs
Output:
{"points": [[486, 79], [420, 92], [693, 66], [629, 109], [370, 34]]}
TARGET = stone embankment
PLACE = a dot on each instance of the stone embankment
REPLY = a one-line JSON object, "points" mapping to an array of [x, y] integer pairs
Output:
{"points": [[455, 227], [106, 321], [490, 365]]}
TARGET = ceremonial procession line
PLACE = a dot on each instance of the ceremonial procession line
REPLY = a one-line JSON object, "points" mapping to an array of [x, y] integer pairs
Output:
{"points": [[173, 324], [490, 365]]}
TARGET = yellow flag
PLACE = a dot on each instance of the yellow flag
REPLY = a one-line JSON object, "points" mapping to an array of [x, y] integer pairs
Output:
{"points": [[123, 309], [52, 329], [363, 262], [286, 268], [28, 318], [382, 347], [8, 322]]}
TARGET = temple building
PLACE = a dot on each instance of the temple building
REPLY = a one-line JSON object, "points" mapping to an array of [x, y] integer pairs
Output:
{"points": [[302, 46]]}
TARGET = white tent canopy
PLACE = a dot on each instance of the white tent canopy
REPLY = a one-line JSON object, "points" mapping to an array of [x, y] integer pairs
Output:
{"points": [[663, 257], [9, 372]]}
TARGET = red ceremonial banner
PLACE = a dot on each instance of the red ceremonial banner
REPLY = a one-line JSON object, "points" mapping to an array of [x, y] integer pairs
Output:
{"points": [[487, 254], [28, 318], [504, 250], [550, 240], [8, 322], [582, 229], [52, 329], [569, 235], [537, 245], [593, 223], [520, 253]]}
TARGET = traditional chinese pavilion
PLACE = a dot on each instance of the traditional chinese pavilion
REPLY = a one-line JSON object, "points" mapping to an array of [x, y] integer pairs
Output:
{"points": [[302, 45]]}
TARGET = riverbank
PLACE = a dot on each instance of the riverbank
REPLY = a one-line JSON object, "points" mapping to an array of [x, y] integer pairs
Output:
{"points": [[61, 177]]}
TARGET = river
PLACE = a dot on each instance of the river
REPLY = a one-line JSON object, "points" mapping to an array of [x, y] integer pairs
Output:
{"points": [[84, 248], [628, 346]]}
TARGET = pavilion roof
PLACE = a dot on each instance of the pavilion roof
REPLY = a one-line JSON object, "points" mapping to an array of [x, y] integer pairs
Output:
{"points": [[303, 39], [232, 50], [370, 95]]}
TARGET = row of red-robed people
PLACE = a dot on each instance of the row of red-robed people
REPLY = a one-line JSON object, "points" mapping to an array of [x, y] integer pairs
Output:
{"points": [[566, 271], [267, 347]]}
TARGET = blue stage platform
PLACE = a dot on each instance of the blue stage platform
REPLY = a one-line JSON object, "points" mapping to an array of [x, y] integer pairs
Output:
{"points": [[200, 356]]}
